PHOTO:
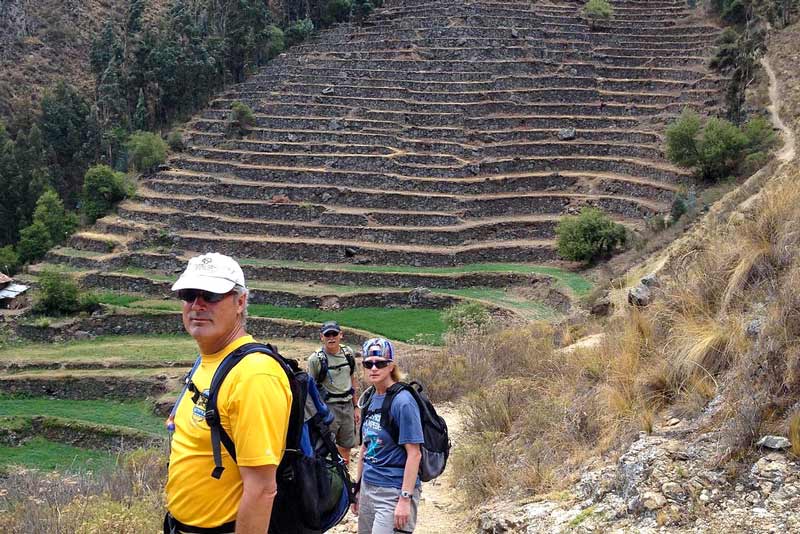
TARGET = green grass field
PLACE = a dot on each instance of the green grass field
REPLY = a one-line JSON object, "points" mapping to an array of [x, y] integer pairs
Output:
{"points": [[530, 309], [125, 348], [136, 415], [40, 453], [401, 324]]}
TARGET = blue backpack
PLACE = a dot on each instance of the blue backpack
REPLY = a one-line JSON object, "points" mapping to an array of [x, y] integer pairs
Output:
{"points": [[314, 486]]}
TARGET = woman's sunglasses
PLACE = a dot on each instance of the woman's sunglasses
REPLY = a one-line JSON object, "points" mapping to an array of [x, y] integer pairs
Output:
{"points": [[380, 364], [190, 295]]}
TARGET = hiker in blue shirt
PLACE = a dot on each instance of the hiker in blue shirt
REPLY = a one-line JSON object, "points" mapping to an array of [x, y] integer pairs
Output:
{"points": [[388, 487]]}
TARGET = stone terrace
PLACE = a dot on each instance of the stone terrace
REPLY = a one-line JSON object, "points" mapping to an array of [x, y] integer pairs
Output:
{"points": [[435, 134]]}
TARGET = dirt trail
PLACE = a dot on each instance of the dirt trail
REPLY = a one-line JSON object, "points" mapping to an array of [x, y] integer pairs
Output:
{"points": [[788, 152], [440, 511]]}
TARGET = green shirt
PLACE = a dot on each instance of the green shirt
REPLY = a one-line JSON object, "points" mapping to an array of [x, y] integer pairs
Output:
{"points": [[338, 380]]}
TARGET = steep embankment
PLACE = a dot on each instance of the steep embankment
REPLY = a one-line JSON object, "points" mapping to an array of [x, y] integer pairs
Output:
{"points": [[718, 367]]}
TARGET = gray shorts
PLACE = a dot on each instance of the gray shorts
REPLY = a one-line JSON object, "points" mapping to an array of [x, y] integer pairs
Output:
{"points": [[343, 427], [376, 510]]}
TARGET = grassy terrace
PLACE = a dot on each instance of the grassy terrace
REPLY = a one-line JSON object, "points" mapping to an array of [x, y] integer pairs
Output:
{"points": [[574, 281], [40, 453], [136, 415]]}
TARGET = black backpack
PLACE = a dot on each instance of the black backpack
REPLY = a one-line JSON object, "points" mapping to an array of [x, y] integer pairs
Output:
{"points": [[324, 367], [436, 447], [314, 486]]}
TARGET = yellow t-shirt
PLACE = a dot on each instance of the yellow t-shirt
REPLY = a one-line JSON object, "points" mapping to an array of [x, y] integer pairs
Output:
{"points": [[254, 403]]}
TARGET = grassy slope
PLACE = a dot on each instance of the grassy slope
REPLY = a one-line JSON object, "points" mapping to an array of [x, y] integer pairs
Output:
{"points": [[136, 415], [126, 348], [42, 454]]}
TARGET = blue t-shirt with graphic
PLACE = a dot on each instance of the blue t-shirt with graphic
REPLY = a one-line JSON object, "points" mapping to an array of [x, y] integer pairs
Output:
{"points": [[384, 460]]}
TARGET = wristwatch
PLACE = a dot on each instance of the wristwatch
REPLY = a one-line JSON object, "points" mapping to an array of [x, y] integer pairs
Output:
{"points": [[405, 495]]}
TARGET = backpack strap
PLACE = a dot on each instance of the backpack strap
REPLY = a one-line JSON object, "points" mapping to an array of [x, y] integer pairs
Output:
{"points": [[170, 422], [218, 434], [387, 421], [350, 357], [323, 366]]}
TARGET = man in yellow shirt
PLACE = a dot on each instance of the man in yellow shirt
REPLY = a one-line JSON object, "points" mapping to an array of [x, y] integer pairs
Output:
{"points": [[254, 405]]}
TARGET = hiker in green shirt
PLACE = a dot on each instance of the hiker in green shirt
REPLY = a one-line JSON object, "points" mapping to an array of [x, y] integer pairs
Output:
{"points": [[333, 367]]}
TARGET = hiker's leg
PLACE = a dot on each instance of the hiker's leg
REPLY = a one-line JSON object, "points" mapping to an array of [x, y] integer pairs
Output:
{"points": [[366, 510], [345, 430], [384, 502]]}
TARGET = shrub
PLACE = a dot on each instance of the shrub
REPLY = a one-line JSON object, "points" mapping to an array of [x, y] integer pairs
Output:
{"points": [[175, 141], [682, 139], [362, 9], [241, 119], [588, 236], [597, 10], [760, 135], [9, 260], [34, 242], [298, 32], [58, 294], [50, 211], [102, 188], [336, 11], [146, 150], [275, 43], [678, 209], [720, 149], [466, 316]]}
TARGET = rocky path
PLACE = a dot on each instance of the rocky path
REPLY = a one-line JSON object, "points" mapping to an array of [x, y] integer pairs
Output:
{"points": [[789, 151], [440, 510]]}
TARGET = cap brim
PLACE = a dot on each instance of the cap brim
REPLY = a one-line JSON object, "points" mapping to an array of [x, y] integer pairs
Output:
{"points": [[206, 283], [337, 330]]}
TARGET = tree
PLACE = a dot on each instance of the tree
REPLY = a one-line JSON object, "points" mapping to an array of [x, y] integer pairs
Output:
{"points": [[34, 242], [102, 188], [65, 130], [10, 189], [682, 138], [9, 261], [51, 213], [588, 236], [336, 11], [140, 121], [597, 10], [146, 150], [58, 294], [720, 149], [300, 30]]}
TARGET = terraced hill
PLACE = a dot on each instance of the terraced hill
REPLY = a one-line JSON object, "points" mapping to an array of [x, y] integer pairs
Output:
{"points": [[437, 134]]}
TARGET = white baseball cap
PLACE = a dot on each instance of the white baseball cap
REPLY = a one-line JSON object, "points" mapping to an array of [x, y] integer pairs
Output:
{"points": [[212, 272]]}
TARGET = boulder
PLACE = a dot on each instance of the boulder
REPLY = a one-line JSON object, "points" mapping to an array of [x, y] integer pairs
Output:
{"points": [[640, 295], [774, 442], [601, 307], [567, 134]]}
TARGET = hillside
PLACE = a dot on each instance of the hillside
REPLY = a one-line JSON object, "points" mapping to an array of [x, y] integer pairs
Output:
{"points": [[429, 137], [49, 40]]}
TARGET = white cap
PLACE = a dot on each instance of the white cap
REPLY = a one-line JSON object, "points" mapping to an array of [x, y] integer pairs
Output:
{"points": [[212, 272]]}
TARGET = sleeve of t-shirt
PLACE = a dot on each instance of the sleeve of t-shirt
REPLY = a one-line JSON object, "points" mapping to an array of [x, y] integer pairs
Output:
{"points": [[406, 413], [259, 416]]}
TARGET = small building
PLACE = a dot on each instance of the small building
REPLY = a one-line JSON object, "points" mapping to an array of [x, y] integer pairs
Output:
{"points": [[10, 293]]}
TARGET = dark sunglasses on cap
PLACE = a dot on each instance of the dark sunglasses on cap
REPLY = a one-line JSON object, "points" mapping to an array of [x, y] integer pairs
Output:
{"points": [[331, 333], [190, 295], [380, 364]]}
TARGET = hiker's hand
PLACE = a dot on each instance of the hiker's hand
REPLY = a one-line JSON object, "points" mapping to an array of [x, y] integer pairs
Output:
{"points": [[357, 416], [354, 506], [401, 513]]}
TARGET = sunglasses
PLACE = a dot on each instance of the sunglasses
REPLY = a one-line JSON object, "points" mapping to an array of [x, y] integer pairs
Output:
{"points": [[380, 364], [190, 295], [331, 334]]}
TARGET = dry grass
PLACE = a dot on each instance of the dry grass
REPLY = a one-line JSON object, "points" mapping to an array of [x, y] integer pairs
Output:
{"points": [[126, 501], [538, 411]]}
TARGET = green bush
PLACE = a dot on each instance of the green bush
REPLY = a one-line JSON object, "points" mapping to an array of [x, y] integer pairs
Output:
{"points": [[336, 11], [465, 316], [34, 242], [146, 150], [102, 188], [175, 141], [362, 9], [727, 51], [58, 294], [717, 148], [9, 260], [588, 236], [597, 10], [298, 32], [275, 43], [59, 222], [241, 119], [678, 209]]}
